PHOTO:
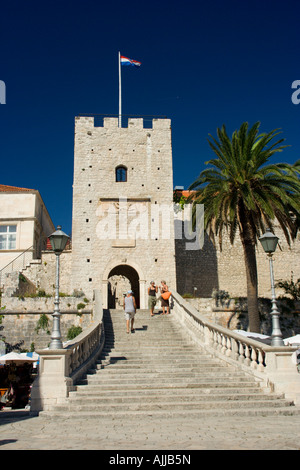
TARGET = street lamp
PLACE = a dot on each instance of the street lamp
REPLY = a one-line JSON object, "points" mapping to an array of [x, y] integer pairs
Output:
{"points": [[269, 243], [58, 241]]}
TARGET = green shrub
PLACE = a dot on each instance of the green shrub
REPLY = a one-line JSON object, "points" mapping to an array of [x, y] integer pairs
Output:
{"points": [[73, 332], [42, 324], [80, 306]]}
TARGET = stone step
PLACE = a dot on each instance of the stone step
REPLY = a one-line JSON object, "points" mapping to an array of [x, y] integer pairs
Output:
{"points": [[147, 337], [118, 365], [167, 381], [180, 397], [143, 327], [138, 355], [108, 374], [154, 346], [83, 391], [158, 368], [143, 357], [130, 374], [173, 414], [148, 351], [120, 358], [148, 358], [208, 383], [148, 361], [152, 331], [167, 406]]}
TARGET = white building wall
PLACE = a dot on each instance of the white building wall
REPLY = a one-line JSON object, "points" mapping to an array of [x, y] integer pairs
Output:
{"points": [[27, 211]]}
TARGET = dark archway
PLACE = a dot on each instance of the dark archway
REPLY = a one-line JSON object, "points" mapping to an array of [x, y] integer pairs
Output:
{"points": [[128, 279]]}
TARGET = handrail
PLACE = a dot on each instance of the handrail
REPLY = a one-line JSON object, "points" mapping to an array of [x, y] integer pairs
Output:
{"points": [[83, 348], [11, 263], [271, 365]]}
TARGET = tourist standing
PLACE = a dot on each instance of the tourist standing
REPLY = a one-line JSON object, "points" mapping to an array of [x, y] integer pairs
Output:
{"points": [[152, 290], [164, 302], [129, 306]]}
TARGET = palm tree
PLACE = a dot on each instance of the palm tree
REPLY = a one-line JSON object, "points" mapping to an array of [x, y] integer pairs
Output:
{"points": [[241, 191]]}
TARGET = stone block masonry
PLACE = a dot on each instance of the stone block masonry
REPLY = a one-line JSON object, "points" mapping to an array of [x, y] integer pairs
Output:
{"points": [[19, 329], [211, 268], [145, 156]]}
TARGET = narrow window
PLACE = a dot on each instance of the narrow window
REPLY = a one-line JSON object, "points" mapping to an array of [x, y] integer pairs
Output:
{"points": [[121, 174]]}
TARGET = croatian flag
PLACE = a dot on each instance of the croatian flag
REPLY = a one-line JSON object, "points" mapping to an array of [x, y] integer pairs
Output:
{"points": [[126, 61]]}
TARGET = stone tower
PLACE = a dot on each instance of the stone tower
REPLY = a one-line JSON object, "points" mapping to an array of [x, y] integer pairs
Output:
{"points": [[123, 227]]}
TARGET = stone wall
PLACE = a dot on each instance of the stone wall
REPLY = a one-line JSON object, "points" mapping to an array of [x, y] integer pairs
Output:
{"points": [[42, 273], [147, 155], [196, 269], [21, 314], [19, 329], [43, 304], [212, 268]]}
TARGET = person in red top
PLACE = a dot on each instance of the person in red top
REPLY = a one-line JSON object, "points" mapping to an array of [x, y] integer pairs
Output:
{"points": [[164, 303]]}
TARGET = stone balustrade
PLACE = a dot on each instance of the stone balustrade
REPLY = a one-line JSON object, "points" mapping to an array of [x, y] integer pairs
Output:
{"points": [[60, 369], [272, 366]]}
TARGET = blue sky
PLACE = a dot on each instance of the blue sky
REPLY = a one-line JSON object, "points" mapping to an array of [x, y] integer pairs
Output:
{"points": [[204, 64]]}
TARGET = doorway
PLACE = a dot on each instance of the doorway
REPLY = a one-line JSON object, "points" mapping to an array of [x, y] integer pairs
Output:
{"points": [[121, 279]]}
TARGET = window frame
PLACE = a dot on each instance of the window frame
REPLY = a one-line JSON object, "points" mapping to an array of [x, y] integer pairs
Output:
{"points": [[119, 174], [9, 237]]}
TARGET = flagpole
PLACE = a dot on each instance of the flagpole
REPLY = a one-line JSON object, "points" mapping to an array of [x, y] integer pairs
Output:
{"points": [[120, 89]]}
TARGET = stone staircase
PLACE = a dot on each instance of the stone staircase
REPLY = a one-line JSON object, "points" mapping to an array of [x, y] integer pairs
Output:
{"points": [[157, 371]]}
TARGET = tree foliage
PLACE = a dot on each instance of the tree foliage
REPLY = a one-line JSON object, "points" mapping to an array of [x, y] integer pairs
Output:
{"points": [[244, 193]]}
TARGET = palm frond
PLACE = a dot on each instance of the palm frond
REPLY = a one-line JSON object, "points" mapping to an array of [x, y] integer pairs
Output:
{"points": [[242, 178]]}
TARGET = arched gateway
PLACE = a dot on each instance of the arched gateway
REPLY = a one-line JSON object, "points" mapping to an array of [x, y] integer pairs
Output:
{"points": [[120, 277]]}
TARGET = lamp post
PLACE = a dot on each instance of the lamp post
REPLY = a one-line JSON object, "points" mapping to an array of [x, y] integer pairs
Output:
{"points": [[58, 241], [269, 243]]}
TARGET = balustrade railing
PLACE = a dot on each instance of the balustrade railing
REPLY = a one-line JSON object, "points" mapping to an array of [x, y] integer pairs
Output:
{"points": [[272, 366], [60, 369], [82, 348]]}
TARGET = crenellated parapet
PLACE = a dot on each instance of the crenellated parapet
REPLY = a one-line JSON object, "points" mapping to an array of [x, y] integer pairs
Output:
{"points": [[106, 122]]}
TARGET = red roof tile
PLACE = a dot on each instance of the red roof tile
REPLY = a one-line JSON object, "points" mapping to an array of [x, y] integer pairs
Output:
{"points": [[7, 189]]}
